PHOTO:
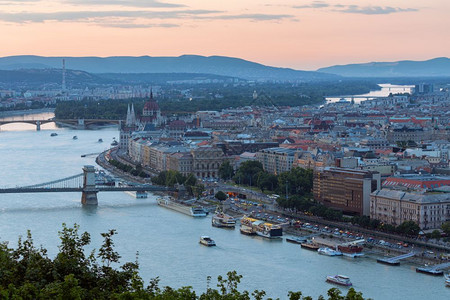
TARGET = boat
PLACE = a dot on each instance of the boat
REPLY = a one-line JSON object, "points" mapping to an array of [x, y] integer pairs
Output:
{"points": [[138, 194], [310, 246], [247, 226], [328, 251], [114, 142], [74, 137], [168, 202], [53, 134], [198, 211], [207, 241], [295, 240], [352, 250], [447, 280], [221, 219], [100, 140], [268, 230], [339, 279]]}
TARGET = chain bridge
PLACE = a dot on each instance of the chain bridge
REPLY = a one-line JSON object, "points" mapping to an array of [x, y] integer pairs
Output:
{"points": [[84, 183]]}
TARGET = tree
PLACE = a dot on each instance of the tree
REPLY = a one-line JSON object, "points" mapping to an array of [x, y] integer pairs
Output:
{"points": [[226, 171], [436, 234], [221, 196], [446, 227], [247, 172], [408, 228]]}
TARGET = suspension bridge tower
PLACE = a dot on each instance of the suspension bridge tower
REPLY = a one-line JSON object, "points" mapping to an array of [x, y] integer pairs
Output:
{"points": [[89, 193]]}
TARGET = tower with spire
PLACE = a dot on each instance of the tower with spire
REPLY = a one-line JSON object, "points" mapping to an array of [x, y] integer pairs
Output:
{"points": [[128, 128]]}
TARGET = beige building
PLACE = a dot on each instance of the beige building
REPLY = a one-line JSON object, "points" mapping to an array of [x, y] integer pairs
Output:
{"points": [[276, 160], [428, 209], [206, 161]]}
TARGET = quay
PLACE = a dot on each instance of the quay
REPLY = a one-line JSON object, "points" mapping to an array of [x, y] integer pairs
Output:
{"points": [[436, 270], [395, 261]]}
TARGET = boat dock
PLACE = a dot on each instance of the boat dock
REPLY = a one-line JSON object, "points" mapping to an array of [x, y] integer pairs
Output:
{"points": [[395, 261], [436, 270]]}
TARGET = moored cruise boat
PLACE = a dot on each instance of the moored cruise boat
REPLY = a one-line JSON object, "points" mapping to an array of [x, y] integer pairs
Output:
{"points": [[207, 241], [247, 226], [198, 211], [329, 251], [309, 245], [339, 279], [351, 250], [268, 230], [221, 219], [447, 280]]}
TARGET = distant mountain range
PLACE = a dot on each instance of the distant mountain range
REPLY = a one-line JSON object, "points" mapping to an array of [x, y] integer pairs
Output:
{"points": [[217, 65], [406, 68]]}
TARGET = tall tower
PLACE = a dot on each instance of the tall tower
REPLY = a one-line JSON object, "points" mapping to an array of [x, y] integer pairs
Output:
{"points": [[63, 86]]}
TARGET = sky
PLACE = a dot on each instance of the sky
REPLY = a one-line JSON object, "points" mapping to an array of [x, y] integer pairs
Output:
{"points": [[299, 34]]}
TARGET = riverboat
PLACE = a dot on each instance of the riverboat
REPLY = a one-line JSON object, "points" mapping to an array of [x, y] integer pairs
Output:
{"points": [[138, 194], [247, 226], [310, 246], [329, 251], [268, 230], [447, 280], [198, 211], [207, 241], [339, 279], [295, 240], [351, 250], [429, 271], [221, 219], [114, 143]]}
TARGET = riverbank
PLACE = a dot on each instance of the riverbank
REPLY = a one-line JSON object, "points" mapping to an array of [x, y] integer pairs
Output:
{"points": [[14, 113]]}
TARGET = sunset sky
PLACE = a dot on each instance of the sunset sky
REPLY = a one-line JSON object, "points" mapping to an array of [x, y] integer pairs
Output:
{"points": [[288, 33]]}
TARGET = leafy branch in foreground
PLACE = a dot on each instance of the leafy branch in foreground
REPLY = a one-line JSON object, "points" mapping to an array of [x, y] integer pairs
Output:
{"points": [[28, 273]]}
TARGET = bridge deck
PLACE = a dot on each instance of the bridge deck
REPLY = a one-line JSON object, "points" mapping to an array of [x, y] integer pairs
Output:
{"points": [[149, 188]]}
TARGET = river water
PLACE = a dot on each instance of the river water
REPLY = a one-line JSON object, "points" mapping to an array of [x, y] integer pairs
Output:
{"points": [[386, 89], [167, 241]]}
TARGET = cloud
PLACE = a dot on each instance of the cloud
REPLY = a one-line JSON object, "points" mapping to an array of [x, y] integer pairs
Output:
{"points": [[64, 16], [135, 25], [254, 17], [371, 10], [315, 4], [129, 3]]}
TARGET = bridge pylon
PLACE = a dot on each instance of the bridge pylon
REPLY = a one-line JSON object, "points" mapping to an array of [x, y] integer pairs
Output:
{"points": [[89, 193], [38, 125]]}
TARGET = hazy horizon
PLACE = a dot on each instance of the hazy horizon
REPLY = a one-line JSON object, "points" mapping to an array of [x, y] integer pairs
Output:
{"points": [[303, 35]]}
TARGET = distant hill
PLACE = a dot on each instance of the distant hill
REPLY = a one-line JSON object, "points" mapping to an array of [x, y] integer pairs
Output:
{"points": [[216, 65], [42, 77], [164, 78], [406, 68]]}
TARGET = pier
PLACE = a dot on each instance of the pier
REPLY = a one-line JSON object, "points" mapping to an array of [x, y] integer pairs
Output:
{"points": [[436, 270], [395, 261]]}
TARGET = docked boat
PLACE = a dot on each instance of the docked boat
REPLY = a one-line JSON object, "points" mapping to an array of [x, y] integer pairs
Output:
{"points": [[207, 241], [351, 250], [198, 211], [295, 240], [447, 280], [430, 271], [339, 279], [53, 134], [221, 219], [247, 226], [268, 230], [310, 246], [328, 251], [114, 143], [137, 194], [74, 137]]}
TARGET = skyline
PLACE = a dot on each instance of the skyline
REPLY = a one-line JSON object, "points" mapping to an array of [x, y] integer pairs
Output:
{"points": [[303, 35]]}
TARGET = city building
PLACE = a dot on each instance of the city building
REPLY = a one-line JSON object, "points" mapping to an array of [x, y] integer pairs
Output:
{"points": [[276, 160], [344, 189]]}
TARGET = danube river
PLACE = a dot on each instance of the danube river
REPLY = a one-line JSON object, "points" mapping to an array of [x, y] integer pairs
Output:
{"points": [[167, 241]]}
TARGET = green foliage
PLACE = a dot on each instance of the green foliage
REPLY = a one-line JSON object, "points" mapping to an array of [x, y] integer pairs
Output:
{"points": [[226, 171], [220, 196], [248, 172], [446, 227], [409, 228], [436, 234]]}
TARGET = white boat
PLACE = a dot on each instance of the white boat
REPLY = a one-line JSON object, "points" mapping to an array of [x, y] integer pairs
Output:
{"points": [[329, 251], [339, 279], [207, 241], [447, 280], [137, 195], [198, 211], [268, 230], [221, 219]]}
